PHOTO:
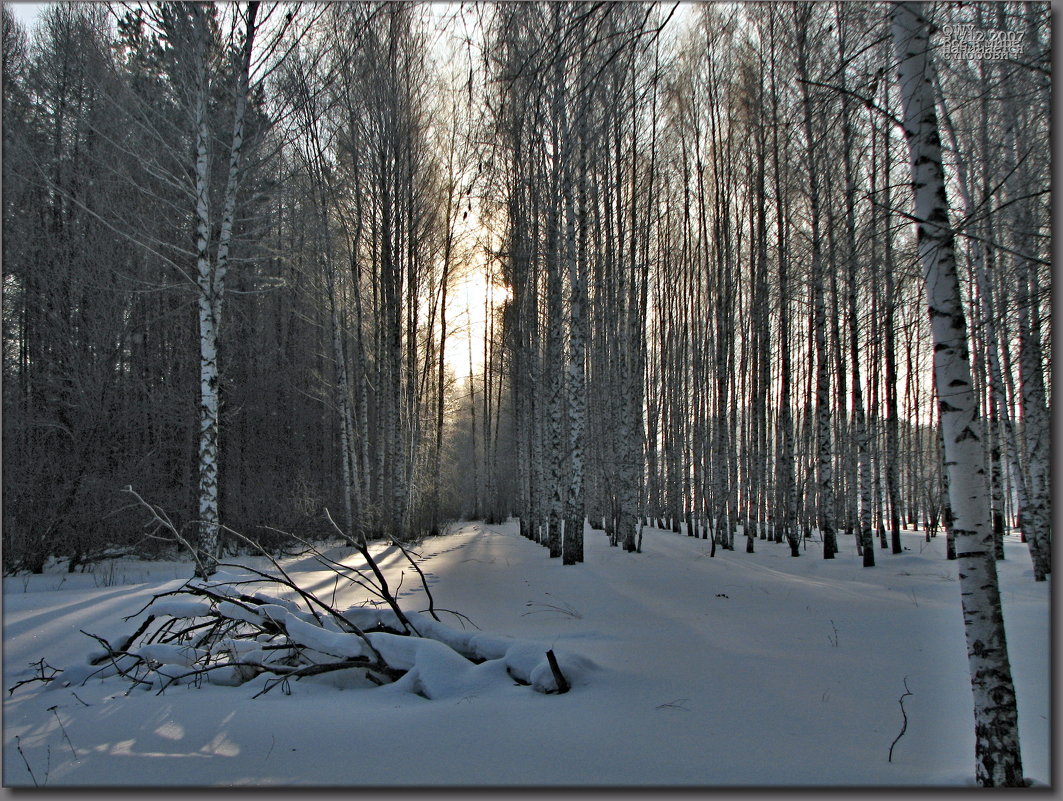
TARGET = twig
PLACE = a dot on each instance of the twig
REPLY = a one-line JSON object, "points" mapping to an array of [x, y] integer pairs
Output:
{"points": [[904, 728], [381, 581], [463, 619], [565, 610], [54, 711], [676, 704], [424, 581], [18, 745], [163, 520], [131, 638], [317, 669], [287, 581], [112, 654], [41, 666], [833, 640], [338, 568]]}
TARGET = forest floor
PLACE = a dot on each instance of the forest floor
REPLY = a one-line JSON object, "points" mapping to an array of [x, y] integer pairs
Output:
{"points": [[754, 670]]}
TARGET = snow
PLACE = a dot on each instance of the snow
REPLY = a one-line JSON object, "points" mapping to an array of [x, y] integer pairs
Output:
{"points": [[335, 643], [740, 670], [180, 608], [170, 654]]}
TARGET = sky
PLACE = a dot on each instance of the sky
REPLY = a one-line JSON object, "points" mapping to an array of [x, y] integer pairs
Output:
{"points": [[26, 13]]}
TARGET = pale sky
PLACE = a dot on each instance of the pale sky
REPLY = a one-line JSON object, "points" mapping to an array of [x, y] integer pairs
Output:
{"points": [[26, 13]]}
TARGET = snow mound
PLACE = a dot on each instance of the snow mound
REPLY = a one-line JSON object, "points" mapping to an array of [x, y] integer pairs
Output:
{"points": [[333, 643], [166, 654], [177, 607], [442, 671]]}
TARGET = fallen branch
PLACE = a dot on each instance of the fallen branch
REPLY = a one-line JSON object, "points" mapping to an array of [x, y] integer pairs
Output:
{"points": [[904, 728], [559, 677], [424, 581], [381, 581], [41, 666], [113, 656], [249, 622], [162, 521]]}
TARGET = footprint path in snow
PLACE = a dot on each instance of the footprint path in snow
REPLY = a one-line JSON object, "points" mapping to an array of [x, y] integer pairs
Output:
{"points": [[467, 535]]}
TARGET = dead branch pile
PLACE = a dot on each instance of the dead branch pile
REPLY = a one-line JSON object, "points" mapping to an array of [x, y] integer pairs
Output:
{"points": [[247, 622]]}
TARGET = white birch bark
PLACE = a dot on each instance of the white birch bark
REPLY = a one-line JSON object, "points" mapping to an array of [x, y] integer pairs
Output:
{"points": [[997, 391], [997, 754], [1036, 512], [554, 313], [786, 505], [208, 334], [210, 276], [824, 458], [1036, 515], [860, 430], [343, 400]]}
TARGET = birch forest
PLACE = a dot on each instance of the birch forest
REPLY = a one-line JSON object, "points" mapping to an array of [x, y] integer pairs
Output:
{"points": [[627, 263], [772, 275]]}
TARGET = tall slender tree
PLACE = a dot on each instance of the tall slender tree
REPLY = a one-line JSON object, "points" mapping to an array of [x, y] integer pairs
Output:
{"points": [[998, 760]]}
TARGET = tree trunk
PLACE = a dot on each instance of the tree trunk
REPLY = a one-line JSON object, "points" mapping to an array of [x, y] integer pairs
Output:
{"points": [[997, 755], [572, 546], [824, 457], [211, 279]]}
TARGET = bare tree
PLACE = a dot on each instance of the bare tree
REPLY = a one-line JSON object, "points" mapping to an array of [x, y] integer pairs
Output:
{"points": [[997, 756]]}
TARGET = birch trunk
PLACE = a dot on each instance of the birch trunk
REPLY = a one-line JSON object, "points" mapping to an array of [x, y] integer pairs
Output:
{"points": [[1000, 415], [891, 503], [209, 521], [555, 344], [997, 754], [860, 432], [343, 401], [824, 459], [211, 278], [1036, 513], [786, 511], [632, 387], [572, 546]]}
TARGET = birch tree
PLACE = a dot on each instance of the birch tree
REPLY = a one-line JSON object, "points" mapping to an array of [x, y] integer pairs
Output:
{"points": [[824, 456], [998, 761], [212, 262]]}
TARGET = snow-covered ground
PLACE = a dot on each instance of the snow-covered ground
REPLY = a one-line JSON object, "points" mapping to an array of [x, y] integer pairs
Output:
{"points": [[739, 670]]}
